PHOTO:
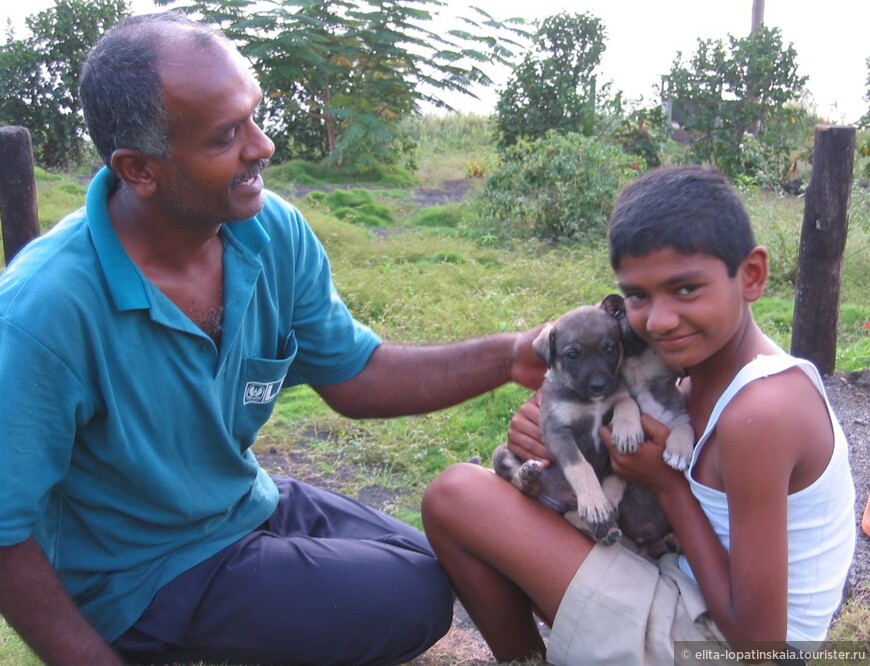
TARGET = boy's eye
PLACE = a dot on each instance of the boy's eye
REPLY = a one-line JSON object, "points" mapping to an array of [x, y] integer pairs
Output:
{"points": [[686, 289], [635, 297]]}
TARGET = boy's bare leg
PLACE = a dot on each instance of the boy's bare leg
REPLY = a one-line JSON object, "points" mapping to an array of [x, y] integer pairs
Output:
{"points": [[505, 553]]}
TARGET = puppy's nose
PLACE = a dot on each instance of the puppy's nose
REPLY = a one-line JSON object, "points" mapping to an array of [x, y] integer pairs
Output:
{"points": [[598, 385]]}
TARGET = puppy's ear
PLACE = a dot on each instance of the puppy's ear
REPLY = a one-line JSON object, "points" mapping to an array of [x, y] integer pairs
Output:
{"points": [[614, 305], [545, 344]]}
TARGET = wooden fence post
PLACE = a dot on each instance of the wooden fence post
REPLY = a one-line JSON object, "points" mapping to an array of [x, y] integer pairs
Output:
{"points": [[17, 190], [823, 239]]}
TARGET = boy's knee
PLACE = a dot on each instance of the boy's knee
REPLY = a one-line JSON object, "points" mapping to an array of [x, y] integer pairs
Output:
{"points": [[446, 493]]}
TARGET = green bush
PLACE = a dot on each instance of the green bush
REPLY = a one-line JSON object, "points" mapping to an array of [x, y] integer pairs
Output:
{"points": [[439, 216], [309, 173], [358, 207], [559, 188]]}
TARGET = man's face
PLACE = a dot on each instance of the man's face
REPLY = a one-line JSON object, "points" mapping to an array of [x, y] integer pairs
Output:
{"points": [[212, 174]]}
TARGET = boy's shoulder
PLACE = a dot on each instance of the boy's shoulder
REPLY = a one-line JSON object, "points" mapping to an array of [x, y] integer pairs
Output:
{"points": [[781, 417], [776, 387]]}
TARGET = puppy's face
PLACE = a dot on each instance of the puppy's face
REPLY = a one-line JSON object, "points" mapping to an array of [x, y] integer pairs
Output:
{"points": [[582, 351]]}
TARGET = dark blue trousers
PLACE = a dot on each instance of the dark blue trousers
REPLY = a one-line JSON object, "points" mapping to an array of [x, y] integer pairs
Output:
{"points": [[325, 581]]}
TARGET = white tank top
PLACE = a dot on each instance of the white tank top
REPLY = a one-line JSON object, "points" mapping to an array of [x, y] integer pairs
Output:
{"points": [[821, 520]]}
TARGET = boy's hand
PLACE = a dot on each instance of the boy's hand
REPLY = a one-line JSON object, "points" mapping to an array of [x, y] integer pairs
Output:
{"points": [[524, 433], [646, 466]]}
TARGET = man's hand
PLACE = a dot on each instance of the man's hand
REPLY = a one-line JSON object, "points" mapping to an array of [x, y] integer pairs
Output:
{"points": [[527, 369]]}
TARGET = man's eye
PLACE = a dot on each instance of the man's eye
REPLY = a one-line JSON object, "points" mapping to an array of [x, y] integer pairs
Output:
{"points": [[686, 289]]}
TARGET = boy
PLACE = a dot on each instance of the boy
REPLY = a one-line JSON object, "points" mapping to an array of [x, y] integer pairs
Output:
{"points": [[764, 514]]}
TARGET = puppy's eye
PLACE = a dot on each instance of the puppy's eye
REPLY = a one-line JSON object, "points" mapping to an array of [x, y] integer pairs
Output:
{"points": [[610, 350], [572, 354]]}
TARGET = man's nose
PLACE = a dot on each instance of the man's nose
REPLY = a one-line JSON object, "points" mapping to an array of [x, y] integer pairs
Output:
{"points": [[259, 146]]}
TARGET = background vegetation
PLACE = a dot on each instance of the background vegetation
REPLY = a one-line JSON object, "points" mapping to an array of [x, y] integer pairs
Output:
{"points": [[446, 227], [441, 280]]}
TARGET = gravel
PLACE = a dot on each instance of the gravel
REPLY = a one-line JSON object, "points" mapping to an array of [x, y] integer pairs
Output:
{"points": [[849, 394]]}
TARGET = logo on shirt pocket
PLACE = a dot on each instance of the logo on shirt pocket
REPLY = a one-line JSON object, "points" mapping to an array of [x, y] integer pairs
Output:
{"points": [[261, 393]]}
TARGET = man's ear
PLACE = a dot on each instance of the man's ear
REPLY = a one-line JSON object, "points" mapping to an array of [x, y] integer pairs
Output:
{"points": [[753, 273], [136, 170]]}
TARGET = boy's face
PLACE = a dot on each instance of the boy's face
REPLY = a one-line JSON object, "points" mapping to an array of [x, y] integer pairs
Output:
{"points": [[685, 306]]}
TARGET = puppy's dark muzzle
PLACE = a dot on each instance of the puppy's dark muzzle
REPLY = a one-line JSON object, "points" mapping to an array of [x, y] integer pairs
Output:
{"points": [[599, 387]]}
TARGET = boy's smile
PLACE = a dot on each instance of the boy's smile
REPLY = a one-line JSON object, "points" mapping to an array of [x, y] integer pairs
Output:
{"points": [[686, 306]]}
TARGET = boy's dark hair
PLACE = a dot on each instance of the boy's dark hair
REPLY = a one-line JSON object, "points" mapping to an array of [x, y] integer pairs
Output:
{"points": [[120, 90], [689, 209]]}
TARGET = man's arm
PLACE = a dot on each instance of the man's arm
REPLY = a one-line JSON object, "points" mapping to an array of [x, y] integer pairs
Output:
{"points": [[403, 379], [35, 603]]}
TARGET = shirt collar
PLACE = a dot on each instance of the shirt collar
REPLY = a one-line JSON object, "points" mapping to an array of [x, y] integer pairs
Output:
{"points": [[126, 282]]}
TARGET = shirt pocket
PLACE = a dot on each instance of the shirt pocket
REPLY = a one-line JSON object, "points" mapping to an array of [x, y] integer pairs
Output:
{"points": [[260, 381]]}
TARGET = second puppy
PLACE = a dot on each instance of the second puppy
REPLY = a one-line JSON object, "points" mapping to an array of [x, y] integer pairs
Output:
{"points": [[587, 352]]}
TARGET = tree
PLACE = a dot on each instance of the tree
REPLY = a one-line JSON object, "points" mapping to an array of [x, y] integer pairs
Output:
{"points": [[554, 87], [736, 102], [39, 75], [865, 119], [339, 76]]}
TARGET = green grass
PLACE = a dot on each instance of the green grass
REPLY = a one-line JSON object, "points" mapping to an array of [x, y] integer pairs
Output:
{"points": [[429, 279]]}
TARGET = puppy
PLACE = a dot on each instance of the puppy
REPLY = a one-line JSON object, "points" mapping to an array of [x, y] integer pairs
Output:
{"points": [[653, 385], [583, 388]]}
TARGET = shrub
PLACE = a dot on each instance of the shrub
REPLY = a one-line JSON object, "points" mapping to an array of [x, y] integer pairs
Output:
{"points": [[359, 207], [559, 188]]}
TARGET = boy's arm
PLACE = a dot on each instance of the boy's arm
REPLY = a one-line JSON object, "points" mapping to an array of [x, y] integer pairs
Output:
{"points": [[745, 589], [35, 603]]}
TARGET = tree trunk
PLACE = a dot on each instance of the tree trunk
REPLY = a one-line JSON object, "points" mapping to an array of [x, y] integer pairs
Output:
{"points": [[757, 14], [17, 190], [823, 239]]}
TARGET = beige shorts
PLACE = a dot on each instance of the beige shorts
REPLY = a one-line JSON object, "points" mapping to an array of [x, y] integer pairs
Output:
{"points": [[622, 608]]}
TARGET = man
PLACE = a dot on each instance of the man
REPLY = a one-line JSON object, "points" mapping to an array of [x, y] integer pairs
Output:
{"points": [[142, 344]]}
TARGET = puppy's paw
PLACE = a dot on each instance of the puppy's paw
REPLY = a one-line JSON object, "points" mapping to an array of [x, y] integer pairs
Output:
{"points": [[626, 437], [614, 535], [667, 544], [601, 513], [605, 533], [528, 477], [676, 460], [678, 447]]}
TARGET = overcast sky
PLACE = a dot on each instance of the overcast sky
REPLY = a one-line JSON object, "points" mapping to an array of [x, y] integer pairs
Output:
{"points": [[644, 36]]}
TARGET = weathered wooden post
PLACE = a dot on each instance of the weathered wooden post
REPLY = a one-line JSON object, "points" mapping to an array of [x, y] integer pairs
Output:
{"points": [[17, 190], [823, 239]]}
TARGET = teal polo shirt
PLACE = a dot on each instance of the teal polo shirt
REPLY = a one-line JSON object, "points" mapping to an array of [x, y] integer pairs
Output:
{"points": [[125, 432]]}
